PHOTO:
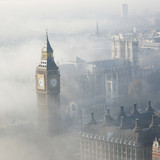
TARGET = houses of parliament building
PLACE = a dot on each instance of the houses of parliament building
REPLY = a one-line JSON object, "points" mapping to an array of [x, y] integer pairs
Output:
{"points": [[127, 137]]}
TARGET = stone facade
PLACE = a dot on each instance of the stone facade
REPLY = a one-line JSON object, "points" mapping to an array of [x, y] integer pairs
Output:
{"points": [[156, 150], [125, 47], [129, 137]]}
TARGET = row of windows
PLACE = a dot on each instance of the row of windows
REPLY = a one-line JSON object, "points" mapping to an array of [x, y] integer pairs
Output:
{"points": [[43, 62], [115, 151], [42, 65]]}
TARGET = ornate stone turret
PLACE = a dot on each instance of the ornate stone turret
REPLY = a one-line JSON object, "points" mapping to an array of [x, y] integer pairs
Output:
{"points": [[149, 108], [134, 110]]}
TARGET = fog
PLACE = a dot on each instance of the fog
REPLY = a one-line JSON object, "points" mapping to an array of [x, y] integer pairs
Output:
{"points": [[31, 18], [71, 25]]}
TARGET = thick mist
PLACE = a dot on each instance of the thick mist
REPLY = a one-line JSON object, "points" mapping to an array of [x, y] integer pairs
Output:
{"points": [[71, 25]]}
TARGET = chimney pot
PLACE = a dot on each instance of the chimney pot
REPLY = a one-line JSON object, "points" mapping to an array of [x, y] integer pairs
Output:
{"points": [[122, 113], [149, 108], [153, 123], [137, 127], [134, 111]]}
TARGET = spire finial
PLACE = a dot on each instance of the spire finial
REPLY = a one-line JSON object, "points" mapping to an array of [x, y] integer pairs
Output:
{"points": [[47, 47], [46, 32]]}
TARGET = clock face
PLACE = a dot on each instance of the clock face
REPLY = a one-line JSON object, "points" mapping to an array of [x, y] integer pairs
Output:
{"points": [[40, 81], [53, 82]]}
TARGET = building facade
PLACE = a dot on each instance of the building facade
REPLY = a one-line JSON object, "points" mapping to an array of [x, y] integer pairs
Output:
{"points": [[125, 47], [156, 150], [128, 137], [48, 91]]}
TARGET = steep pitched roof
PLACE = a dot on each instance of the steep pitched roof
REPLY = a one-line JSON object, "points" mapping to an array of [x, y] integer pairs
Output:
{"points": [[47, 47]]}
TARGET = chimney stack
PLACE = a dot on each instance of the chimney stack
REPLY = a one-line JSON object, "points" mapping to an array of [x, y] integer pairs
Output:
{"points": [[153, 123], [107, 118], [122, 126], [149, 108], [134, 111], [122, 113], [92, 120], [137, 127]]}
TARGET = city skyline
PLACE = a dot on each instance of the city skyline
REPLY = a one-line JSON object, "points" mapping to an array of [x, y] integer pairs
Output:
{"points": [[102, 59]]}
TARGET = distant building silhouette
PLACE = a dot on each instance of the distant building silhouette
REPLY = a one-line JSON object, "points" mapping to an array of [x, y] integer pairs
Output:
{"points": [[124, 10], [97, 30]]}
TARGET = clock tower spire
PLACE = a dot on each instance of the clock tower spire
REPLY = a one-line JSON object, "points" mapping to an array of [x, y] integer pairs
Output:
{"points": [[48, 91]]}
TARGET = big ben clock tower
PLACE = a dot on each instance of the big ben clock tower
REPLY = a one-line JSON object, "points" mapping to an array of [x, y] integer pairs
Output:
{"points": [[48, 91]]}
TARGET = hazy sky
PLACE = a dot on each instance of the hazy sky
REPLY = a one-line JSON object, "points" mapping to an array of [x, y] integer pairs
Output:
{"points": [[76, 5], [22, 17]]}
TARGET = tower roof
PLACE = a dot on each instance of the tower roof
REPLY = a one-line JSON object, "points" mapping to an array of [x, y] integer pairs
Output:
{"points": [[47, 47], [47, 59]]}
